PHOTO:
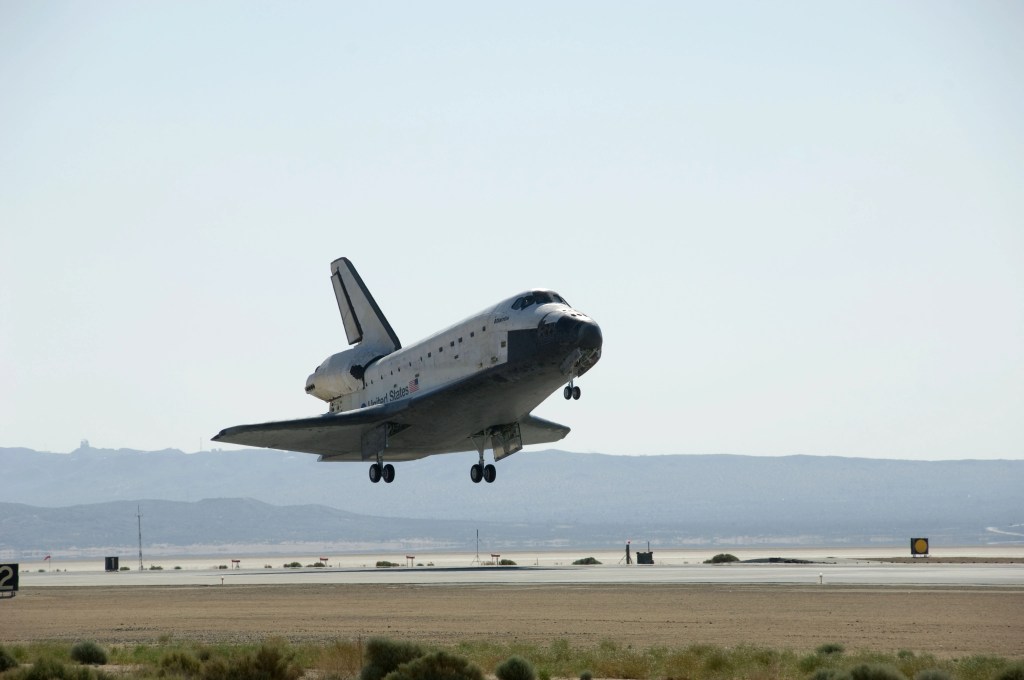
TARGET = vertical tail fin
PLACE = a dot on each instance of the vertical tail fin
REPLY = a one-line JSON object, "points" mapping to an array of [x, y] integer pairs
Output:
{"points": [[363, 320]]}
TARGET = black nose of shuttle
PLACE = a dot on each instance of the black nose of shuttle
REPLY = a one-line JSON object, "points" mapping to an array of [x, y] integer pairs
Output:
{"points": [[589, 334], [579, 332]]}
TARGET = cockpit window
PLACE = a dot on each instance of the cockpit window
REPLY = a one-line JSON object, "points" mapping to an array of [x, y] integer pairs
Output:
{"points": [[523, 302], [537, 297]]}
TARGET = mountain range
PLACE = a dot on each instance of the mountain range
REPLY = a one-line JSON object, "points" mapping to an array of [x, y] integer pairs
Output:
{"points": [[88, 500]]}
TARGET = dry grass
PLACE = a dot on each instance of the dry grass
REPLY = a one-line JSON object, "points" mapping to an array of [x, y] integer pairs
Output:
{"points": [[344, 659]]}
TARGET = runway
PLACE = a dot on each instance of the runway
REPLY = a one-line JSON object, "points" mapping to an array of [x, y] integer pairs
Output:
{"points": [[928, 606], [839, 572]]}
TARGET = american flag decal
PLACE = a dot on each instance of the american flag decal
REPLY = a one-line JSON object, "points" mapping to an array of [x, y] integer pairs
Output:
{"points": [[414, 385]]}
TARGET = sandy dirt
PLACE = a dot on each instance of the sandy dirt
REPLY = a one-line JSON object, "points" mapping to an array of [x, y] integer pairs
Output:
{"points": [[947, 622], [947, 560]]}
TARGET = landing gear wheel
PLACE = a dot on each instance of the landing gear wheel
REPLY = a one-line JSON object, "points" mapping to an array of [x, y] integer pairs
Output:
{"points": [[375, 473], [476, 473], [567, 393], [490, 473], [576, 392], [388, 473]]}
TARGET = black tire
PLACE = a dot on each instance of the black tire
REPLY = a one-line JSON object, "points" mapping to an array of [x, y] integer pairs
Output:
{"points": [[490, 473], [375, 473], [476, 473], [576, 392], [567, 393], [389, 473]]}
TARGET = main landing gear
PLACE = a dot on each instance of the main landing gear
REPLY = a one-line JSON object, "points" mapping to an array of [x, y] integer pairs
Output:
{"points": [[488, 473], [379, 472], [571, 391]]}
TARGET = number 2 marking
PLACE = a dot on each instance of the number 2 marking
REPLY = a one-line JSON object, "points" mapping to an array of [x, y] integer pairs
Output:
{"points": [[6, 574]]}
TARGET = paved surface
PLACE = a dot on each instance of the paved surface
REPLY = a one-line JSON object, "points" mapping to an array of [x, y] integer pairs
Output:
{"points": [[840, 573]]}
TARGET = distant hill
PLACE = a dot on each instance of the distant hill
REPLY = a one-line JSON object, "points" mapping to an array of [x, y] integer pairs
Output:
{"points": [[247, 525], [546, 497]]}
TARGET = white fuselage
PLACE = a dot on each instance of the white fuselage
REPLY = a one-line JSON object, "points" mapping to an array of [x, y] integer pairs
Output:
{"points": [[475, 344]]}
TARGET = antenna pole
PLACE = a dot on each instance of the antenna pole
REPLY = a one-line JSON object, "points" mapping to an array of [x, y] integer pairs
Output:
{"points": [[139, 515]]}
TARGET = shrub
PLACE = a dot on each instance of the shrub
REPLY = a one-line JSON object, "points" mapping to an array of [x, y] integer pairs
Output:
{"points": [[51, 669], [830, 674], [340, 659], [216, 669], [1012, 672], [44, 669], [506, 563], [384, 656], [560, 650], [587, 560], [293, 565], [875, 671], [812, 662], [615, 661], [515, 668], [6, 660], [830, 648], [586, 675], [88, 652], [155, 567], [717, 661], [932, 674], [271, 661], [437, 666], [179, 663], [383, 564], [722, 558]]}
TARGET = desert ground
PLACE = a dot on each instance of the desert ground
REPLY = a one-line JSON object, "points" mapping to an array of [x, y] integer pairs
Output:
{"points": [[945, 621]]}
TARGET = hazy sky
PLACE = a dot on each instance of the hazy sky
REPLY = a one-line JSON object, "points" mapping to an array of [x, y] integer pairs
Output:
{"points": [[800, 226]]}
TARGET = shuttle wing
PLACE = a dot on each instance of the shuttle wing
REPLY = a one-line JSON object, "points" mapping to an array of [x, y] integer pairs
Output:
{"points": [[329, 435], [412, 426]]}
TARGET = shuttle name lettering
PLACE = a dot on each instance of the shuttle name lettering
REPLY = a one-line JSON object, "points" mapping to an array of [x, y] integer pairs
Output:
{"points": [[389, 396]]}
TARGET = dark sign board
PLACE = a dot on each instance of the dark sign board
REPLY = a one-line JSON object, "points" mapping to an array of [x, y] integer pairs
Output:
{"points": [[8, 580], [918, 546]]}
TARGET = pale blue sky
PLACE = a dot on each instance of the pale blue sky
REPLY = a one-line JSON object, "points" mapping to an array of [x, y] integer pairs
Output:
{"points": [[800, 225]]}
